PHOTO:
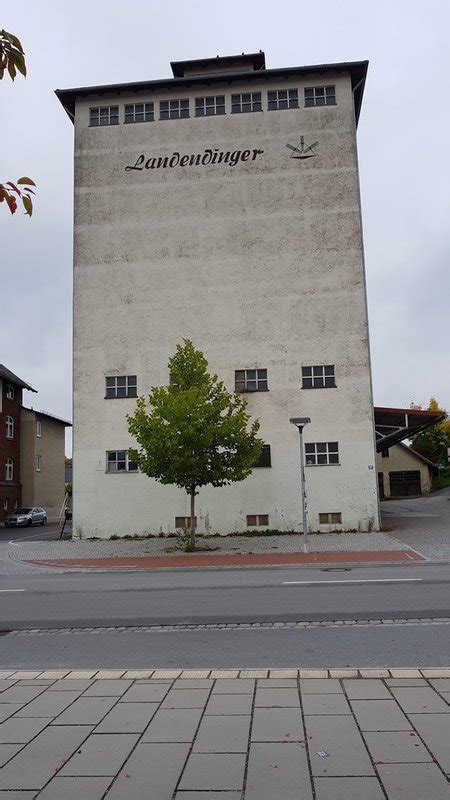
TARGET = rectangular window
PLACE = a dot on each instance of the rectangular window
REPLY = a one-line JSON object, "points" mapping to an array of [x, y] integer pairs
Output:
{"points": [[174, 109], [320, 96], [210, 106], [282, 98], [250, 380], [181, 523], [118, 461], [245, 103], [264, 459], [5, 504], [331, 518], [38, 463], [257, 520], [103, 115], [321, 453], [38, 428], [139, 112], [9, 469], [318, 377], [9, 427], [122, 386], [10, 393]]}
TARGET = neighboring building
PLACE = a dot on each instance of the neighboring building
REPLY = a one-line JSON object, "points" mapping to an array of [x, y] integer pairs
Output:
{"points": [[11, 388], [222, 205], [403, 472], [43, 460], [68, 471]]}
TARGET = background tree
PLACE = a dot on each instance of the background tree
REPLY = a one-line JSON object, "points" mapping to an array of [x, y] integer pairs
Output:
{"points": [[433, 442], [193, 432], [12, 58]]}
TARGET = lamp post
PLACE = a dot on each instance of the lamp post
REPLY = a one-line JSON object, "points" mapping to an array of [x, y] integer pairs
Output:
{"points": [[300, 423]]}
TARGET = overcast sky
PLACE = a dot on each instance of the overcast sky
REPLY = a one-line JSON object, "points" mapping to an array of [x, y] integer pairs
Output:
{"points": [[404, 159]]}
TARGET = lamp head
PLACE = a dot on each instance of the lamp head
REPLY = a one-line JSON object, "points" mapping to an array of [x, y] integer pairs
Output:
{"points": [[300, 422]]}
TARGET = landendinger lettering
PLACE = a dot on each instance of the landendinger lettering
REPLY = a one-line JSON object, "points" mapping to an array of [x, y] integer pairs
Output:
{"points": [[209, 156]]}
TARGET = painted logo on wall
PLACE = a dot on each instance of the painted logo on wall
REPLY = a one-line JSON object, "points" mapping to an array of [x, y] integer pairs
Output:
{"points": [[209, 156], [302, 150]]}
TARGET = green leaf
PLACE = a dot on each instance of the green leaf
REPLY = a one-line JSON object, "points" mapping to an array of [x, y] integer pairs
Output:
{"points": [[28, 205], [12, 69], [27, 181], [19, 61]]}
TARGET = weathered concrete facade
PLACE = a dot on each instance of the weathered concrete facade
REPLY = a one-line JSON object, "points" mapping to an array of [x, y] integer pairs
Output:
{"points": [[257, 257], [42, 461]]}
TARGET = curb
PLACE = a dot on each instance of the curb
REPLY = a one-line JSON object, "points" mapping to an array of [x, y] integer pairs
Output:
{"points": [[199, 674]]}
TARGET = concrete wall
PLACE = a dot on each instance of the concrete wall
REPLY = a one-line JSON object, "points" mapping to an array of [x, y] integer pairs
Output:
{"points": [[260, 264], [44, 488], [402, 459]]}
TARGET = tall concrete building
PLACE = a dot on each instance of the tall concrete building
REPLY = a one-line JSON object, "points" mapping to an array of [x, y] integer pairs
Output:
{"points": [[222, 205]]}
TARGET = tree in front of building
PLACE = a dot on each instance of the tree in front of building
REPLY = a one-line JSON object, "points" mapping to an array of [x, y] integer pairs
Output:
{"points": [[434, 441], [12, 59], [193, 432]]}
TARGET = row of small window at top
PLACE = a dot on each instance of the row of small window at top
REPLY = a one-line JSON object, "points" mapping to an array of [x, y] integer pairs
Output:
{"points": [[245, 380], [213, 105]]}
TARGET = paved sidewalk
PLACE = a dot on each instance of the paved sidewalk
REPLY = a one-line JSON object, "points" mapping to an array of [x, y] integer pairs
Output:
{"points": [[225, 734]]}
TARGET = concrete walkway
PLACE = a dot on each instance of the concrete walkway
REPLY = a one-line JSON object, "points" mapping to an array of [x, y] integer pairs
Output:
{"points": [[225, 735]]}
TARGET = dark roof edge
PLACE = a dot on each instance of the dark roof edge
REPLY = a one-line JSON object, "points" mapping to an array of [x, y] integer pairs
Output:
{"points": [[357, 70], [7, 375], [36, 411]]}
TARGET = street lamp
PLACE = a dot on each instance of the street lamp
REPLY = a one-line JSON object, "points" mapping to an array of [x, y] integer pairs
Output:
{"points": [[300, 423]]}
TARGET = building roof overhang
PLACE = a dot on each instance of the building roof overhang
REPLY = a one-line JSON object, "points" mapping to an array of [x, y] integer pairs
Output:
{"points": [[37, 413], [7, 375], [356, 69], [392, 425]]}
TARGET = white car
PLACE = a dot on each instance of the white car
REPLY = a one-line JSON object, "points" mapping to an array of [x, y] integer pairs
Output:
{"points": [[26, 517]]}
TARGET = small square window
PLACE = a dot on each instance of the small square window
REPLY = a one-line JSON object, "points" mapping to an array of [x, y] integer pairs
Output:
{"points": [[320, 96], [246, 102], [250, 380], [264, 459], [318, 377], [257, 520]]}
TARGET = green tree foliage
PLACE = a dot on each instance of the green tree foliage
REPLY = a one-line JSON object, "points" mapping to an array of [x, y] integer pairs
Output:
{"points": [[12, 59], [193, 432], [434, 441]]}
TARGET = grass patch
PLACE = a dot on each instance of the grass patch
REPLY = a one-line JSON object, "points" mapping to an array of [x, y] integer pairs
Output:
{"points": [[441, 481]]}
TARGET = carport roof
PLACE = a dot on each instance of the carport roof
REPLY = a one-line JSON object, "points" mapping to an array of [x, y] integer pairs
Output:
{"points": [[392, 425]]}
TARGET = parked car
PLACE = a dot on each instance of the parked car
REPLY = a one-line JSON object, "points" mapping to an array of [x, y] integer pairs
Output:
{"points": [[26, 516]]}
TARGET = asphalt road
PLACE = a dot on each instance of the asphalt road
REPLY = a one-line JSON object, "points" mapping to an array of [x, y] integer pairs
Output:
{"points": [[82, 600], [37, 533]]}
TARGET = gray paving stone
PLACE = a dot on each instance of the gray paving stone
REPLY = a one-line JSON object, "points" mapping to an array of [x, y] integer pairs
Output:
{"points": [[379, 715], [75, 789], [396, 747], [277, 725], [146, 693], [435, 732], [190, 698], [86, 711], [440, 684], [69, 685], [17, 795], [277, 683], [49, 704], [21, 694], [217, 771], [6, 684], [128, 718], [277, 771], [33, 767], [223, 735], [18, 730], [340, 738], [325, 704], [151, 773], [229, 704], [190, 683], [7, 751], [208, 796], [108, 688], [421, 701], [413, 781], [370, 689], [406, 682], [233, 686], [8, 710], [277, 698], [348, 789], [320, 686], [101, 754], [173, 725]]}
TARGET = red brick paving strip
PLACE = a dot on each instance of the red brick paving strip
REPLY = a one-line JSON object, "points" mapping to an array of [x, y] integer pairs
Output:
{"points": [[243, 560]]}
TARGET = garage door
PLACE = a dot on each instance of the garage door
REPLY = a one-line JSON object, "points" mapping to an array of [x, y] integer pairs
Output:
{"points": [[405, 484]]}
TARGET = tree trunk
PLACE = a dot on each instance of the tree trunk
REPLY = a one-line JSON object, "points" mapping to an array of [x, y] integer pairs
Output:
{"points": [[192, 525]]}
